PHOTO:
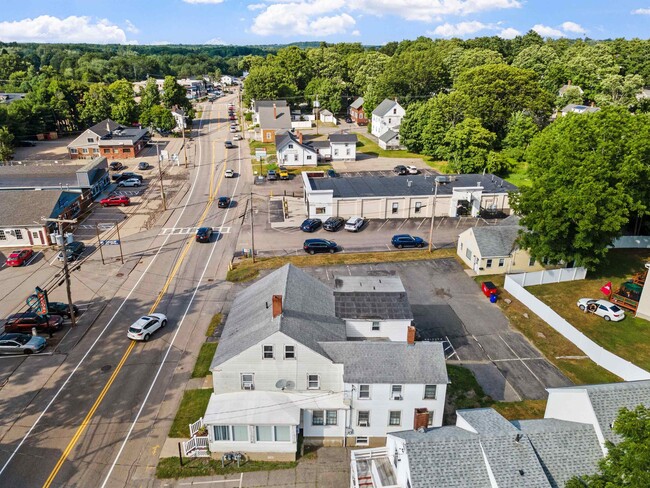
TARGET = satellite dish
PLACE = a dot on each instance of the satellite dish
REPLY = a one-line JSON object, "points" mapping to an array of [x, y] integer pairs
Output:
{"points": [[281, 384], [290, 385]]}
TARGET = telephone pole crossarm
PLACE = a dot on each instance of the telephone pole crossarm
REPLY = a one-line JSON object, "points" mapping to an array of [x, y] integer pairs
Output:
{"points": [[66, 271]]}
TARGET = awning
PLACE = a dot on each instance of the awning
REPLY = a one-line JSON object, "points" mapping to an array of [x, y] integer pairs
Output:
{"points": [[267, 407]]}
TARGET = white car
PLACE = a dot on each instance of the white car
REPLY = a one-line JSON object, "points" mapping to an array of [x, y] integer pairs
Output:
{"points": [[412, 170], [354, 224], [229, 173], [602, 308], [146, 325], [237, 137], [130, 182], [233, 128]]}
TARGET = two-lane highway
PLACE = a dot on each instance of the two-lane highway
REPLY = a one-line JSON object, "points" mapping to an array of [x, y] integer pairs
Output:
{"points": [[104, 412]]}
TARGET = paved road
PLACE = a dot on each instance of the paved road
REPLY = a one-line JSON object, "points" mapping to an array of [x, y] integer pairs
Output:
{"points": [[98, 414]]}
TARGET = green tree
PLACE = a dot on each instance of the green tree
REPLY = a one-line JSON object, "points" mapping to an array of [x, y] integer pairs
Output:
{"points": [[467, 145], [174, 94], [589, 179], [329, 92], [443, 112], [149, 96], [413, 125], [10, 62], [267, 83], [97, 104], [161, 118], [520, 132], [6, 144], [543, 60], [124, 110], [463, 59], [619, 90], [627, 463]]}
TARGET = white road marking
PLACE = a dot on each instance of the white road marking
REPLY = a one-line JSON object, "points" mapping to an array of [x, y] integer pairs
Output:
{"points": [[522, 362], [384, 223], [33, 257], [420, 224]]}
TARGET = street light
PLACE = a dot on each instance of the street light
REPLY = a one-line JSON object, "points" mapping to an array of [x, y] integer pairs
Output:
{"points": [[433, 215]]}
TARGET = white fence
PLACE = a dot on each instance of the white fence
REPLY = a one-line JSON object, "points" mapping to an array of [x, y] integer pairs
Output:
{"points": [[514, 284], [632, 242], [301, 124]]}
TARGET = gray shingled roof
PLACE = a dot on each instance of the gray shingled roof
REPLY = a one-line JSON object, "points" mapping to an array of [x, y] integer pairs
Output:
{"points": [[384, 107], [101, 129], [572, 107], [486, 421], [340, 138], [257, 104], [39, 175], [25, 207], [389, 362], [371, 298], [358, 103], [281, 120], [388, 136], [564, 449], [307, 314], [496, 241]]}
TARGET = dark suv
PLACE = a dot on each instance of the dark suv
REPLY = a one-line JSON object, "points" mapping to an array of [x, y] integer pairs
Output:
{"points": [[62, 309], [312, 246], [400, 169], [333, 224], [24, 322], [74, 250]]}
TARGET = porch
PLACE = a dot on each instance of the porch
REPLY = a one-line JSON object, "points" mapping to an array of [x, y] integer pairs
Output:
{"points": [[372, 468]]}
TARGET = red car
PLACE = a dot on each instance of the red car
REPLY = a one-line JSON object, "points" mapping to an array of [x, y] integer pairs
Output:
{"points": [[115, 201], [18, 258]]}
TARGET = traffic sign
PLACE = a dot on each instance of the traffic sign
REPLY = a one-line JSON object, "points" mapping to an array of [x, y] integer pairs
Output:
{"points": [[112, 242]]}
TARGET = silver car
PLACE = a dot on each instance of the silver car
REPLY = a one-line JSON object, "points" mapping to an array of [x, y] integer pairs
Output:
{"points": [[15, 343]]}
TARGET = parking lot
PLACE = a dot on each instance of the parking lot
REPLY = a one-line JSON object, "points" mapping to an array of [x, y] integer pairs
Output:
{"points": [[387, 173], [448, 306]]}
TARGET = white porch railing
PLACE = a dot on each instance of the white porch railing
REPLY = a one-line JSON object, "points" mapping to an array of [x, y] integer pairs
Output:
{"points": [[371, 468], [196, 447], [196, 426]]}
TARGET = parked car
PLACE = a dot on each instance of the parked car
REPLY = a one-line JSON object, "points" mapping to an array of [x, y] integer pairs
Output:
{"points": [[333, 224], [413, 170], [312, 246], [310, 225], [233, 129], [354, 224], [115, 201], [229, 144], [19, 258], [223, 202], [237, 137], [131, 182], [271, 175], [488, 288], [406, 240], [144, 327], [203, 234], [62, 309], [348, 120], [284, 174], [332, 174], [143, 165], [602, 308], [229, 173], [26, 321], [115, 166], [21, 344], [73, 250], [400, 169], [117, 177]]}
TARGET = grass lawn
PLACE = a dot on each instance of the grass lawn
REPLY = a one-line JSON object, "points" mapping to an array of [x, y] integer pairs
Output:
{"points": [[629, 338], [202, 365], [214, 323], [192, 408], [269, 146], [519, 176], [247, 270], [170, 467]]}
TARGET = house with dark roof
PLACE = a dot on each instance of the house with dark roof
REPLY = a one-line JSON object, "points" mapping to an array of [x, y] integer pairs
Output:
{"points": [[387, 116], [494, 249], [357, 112], [293, 150], [390, 139], [573, 108], [272, 119], [338, 366], [108, 139], [569, 87]]}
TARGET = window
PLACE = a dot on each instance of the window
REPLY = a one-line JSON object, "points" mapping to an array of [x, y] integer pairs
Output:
{"points": [[282, 433], [267, 352], [331, 417], [418, 207], [85, 150], [348, 152], [336, 152], [429, 392], [115, 151], [90, 140], [247, 382], [461, 246], [363, 418], [502, 262], [395, 207], [389, 120], [3, 237], [395, 417], [468, 253], [364, 392], [375, 326], [317, 417], [430, 422], [361, 441], [35, 235], [308, 157], [126, 150], [531, 262], [488, 263], [394, 111], [396, 392], [320, 210], [289, 352], [95, 150], [290, 146], [240, 433], [221, 432], [19, 234], [264, 433], [73, 150], [313, 382]]}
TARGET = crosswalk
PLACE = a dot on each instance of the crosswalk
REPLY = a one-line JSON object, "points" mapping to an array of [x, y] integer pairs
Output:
{"points": [[190, 230], [102, 227]]}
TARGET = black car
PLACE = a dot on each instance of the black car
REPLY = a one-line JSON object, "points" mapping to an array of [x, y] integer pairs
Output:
{"points": [[312, 246], [203, 234], [62, 309], [406, 240], [116, 166], [332, 174], [73, 251], [333, 223], [223, 202], [229, 145], [143, 165], [348, 120], [310, 225], [117, 177], [400, 169]]}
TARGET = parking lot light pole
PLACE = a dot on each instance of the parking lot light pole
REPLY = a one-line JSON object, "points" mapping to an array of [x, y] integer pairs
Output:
{"points": [[433, 217], [66, 272]]}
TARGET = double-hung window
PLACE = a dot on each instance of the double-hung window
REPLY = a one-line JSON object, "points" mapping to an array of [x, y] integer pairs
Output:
{"points": [[313, 382], [247, 382], [363, 418], [429, 392], [318, 417], [267, 352], [396, 392], [395, 418], [364, 392], [289, 352]]}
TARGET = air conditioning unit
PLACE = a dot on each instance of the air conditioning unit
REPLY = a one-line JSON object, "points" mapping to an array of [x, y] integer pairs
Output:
{"points": [[349, 431], [248, 386], [363, 423], [397, 397]]}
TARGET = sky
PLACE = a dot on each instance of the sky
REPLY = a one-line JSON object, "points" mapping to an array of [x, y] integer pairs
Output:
{"points": [[371, 22]]}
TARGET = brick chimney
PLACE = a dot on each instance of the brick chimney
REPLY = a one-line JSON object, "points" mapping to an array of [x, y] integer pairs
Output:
{"points": [[299, 137], [569, 82], [275, 112], [277, 305], [410, 335], [420, 418]]}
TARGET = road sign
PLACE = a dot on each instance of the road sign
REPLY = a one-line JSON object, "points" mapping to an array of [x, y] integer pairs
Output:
{"points": [[111, 242], [38, 302]]}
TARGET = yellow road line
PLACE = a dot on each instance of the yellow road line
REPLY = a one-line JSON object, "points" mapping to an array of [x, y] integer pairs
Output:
{"points": [[86, 421]]}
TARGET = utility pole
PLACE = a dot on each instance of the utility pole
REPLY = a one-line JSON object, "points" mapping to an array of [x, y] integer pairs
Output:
{"points": [[433, 216], [119, 241], [66, 272], [162, 188], [317, 114], [183, 131], [99, 243], [252, 235]]}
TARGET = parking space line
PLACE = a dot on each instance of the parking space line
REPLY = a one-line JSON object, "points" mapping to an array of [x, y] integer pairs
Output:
{"points": [[383, 223], [451, 346], [522, 362], [420, 224], [56, 256], [33, 257], [402, 224]]}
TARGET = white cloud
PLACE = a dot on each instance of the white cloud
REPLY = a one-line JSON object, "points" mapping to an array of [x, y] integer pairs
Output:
{"points": [[202, 1], [573, 27], [47, 28], [356, 33], [130, 27], [215, 41], [641, 11], [160, 43], [546, 31], [459, 30], [304, 18], [256, 6], [509, 33], [430, 10]]}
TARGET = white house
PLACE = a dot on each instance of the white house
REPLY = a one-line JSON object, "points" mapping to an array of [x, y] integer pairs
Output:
{"points": [[291, 151], [387, 116], [226, 80], [390, 140], [572, 108], [284, 367], [343, 147]]}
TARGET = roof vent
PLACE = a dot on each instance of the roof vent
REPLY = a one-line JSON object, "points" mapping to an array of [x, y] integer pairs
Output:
{"points": [[521, 472], [518, 437]]}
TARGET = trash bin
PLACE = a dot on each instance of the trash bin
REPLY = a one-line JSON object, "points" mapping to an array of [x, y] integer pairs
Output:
{"points": [[493, 298]]}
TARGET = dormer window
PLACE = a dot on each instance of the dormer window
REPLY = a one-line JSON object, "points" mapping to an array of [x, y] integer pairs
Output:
{"points": [[290, 146], [90, 140]]}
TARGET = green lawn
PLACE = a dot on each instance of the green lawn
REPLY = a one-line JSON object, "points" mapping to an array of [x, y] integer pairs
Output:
{"points": [[191, 409], [269, 146], [519, 175], [171, 468], [202, 365], [629, 338], [214, 323], [368, 146]]}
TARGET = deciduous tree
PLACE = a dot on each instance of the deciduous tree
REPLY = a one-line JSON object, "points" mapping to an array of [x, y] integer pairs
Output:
{"points": [[467, 145]]}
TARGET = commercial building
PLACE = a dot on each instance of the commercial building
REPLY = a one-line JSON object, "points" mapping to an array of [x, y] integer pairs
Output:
{"points": [[108, 139]]}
